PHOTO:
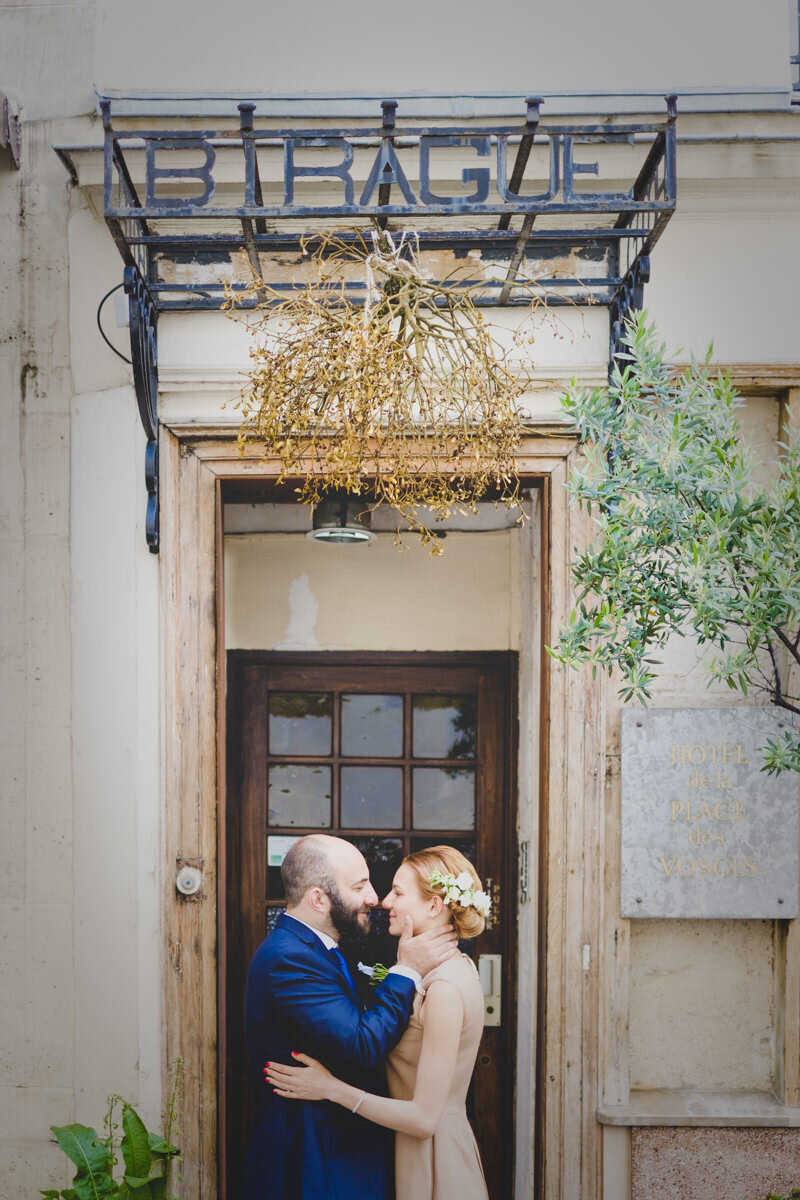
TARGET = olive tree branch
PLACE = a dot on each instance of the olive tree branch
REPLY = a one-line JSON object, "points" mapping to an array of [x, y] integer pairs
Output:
{"points": [[685, 541]]}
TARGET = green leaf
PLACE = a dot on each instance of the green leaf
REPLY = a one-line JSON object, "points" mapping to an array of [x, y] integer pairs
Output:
{"points": [[782, 753], [136, 1184], [158, 1187], [153, 1188], [135, 1145], [160, 1148], [93, 1179], [141, 1191]]}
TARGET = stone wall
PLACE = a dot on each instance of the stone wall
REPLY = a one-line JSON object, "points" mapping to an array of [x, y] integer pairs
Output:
{"points": [[697, 1164]]}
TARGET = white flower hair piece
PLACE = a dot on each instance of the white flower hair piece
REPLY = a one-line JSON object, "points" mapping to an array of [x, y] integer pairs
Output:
{"points": [[461, 890]]}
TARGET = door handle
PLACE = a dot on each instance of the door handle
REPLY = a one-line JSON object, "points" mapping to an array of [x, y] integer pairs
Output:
{"points": [[490, 973]]}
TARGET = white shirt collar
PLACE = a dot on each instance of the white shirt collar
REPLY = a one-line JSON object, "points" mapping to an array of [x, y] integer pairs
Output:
{"points": [[328, 942]]}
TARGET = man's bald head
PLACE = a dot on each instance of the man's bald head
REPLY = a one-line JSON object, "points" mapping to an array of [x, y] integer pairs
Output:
{"points": [[311, 862], [327, 885]]}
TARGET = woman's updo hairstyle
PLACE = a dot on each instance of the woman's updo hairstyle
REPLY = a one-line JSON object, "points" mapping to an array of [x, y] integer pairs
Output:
{"points": [[468, 922]]}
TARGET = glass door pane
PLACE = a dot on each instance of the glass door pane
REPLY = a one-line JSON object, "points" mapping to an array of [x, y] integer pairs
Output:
{"points": [[444, 798], [300, 796], [300, 723], [444, 726], [372, 726], [371, 798]]}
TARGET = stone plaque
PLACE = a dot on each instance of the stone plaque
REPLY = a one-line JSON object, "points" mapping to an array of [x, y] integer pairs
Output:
{"points": [[706, 832]]}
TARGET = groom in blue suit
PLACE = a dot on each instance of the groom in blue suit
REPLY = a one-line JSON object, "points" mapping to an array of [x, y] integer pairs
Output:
{"points": [[300, 996]]}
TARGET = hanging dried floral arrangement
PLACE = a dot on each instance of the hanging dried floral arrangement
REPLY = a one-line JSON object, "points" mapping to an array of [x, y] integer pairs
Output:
{"points": [[406, 397]]}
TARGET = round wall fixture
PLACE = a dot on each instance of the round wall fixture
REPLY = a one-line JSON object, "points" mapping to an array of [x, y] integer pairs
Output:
{"points": [[189, 880]]}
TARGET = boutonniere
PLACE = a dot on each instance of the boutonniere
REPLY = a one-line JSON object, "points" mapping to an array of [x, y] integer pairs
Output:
{"points": [[376, 974]]}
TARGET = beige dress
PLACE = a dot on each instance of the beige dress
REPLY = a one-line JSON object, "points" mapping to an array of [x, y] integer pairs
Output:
{"points": [[446, 1166]]}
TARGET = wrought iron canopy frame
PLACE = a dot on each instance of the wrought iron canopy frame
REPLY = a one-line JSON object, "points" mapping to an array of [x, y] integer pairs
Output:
{"points": [[184, 235]]}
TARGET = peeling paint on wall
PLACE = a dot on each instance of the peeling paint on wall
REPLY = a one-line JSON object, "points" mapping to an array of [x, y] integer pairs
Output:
{"points": [[303, 613]]}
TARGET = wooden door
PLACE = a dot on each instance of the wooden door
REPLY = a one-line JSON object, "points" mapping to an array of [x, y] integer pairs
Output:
{"points": [[394, 752]]}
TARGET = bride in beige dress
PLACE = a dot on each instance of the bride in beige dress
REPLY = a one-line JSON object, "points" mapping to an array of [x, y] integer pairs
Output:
{"points": [[428, 1072]]}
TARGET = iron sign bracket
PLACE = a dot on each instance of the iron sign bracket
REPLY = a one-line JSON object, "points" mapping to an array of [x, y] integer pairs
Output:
{"points": [[143, 316], [628, 299], [10, 132], [187, 207]]}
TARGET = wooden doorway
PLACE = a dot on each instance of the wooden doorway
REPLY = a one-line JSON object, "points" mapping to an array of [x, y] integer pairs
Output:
{"points": [[566, 810], [393, 752]]}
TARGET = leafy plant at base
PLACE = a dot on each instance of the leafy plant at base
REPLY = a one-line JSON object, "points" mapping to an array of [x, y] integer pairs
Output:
{"points": [[684, 541], [407, 397], [147, 1157]]}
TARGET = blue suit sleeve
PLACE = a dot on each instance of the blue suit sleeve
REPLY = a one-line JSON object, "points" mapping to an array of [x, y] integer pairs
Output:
{"points": [[307, 997]]}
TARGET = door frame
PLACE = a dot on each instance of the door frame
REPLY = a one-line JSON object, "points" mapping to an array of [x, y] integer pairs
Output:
{"points": [[581, 1060]]}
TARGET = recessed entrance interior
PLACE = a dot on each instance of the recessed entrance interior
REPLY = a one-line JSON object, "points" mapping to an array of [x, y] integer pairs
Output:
{"points": [[373, 691]]}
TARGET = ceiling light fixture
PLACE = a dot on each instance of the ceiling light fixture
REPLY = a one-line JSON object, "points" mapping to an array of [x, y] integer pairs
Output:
{"points": [[342, 518]]}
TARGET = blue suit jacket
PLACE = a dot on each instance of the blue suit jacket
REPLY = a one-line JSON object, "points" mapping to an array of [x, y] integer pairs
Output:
{"points": [[297, 998]]}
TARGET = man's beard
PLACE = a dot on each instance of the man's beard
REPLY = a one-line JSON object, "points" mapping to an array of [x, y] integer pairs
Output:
{"points": [[345, 918]]}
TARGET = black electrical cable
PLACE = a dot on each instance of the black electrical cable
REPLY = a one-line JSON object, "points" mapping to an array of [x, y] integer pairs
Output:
{"points": [[100, 327]]}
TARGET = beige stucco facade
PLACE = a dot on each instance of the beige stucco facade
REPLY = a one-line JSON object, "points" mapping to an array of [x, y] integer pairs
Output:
{"points": [[683, 1031]]}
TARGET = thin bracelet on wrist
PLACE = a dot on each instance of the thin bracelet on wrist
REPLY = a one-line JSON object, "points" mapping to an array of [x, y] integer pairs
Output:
{"points": [[358, 1102]]}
